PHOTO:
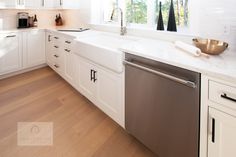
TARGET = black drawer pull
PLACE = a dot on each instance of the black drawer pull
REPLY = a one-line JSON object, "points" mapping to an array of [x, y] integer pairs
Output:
{"points": [[94, 76], [56, 38], [67, 50], [56, 47], [49, 38], [227, 97], [56, 66], [10, 36], [91, 75], [68, 42], [56, 56]]}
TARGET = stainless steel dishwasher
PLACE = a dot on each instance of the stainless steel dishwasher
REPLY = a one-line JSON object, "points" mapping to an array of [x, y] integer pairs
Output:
{"points": [[162, 106]]}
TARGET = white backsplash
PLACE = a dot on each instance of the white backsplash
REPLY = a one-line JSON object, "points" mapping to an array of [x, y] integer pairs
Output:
{"points": [[217, 20], [75, 18], [46, 18]]}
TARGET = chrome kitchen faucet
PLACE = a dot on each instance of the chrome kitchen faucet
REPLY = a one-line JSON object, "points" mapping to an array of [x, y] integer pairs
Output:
{"points": [[123, 29]]}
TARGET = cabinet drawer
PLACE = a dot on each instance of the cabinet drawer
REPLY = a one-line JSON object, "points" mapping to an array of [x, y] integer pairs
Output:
{"points": [[68, 43], [222, 94], [58, 67]]}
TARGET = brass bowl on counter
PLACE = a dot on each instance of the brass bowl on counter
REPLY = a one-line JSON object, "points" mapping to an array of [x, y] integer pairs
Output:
{"points": [[211, 47]]}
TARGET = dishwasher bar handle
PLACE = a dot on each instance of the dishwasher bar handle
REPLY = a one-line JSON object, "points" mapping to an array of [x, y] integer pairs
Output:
{"points": [[179, 80]]}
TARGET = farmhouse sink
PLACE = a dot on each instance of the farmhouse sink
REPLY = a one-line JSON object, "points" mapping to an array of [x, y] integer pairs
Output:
{"points": [[106, 40], [103, 49]]}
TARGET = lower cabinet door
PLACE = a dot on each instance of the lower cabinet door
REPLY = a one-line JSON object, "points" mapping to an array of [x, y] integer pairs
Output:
{"points": [[10, 54], [109, 94], [69, 66], [49, 49], [222, 134], [103, 87], [84, 81], [34, 49]]}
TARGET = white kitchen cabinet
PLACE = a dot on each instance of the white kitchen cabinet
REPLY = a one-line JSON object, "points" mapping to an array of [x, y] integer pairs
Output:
{"points": [[218, 118], [49, 49], [69, 67], [109, 94], [59, 55], [52, 3], [70, 4], [49, 4], [222, 134], [8, 3], [85, 73], [10, 53], [103, 87], [34, 3], [34, 48], [69, 60]]}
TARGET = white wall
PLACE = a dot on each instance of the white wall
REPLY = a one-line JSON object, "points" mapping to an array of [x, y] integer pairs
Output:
{"points": [[217, 19], [80, 17]]}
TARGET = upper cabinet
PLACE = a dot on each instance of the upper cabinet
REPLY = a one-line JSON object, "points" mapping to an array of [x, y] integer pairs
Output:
{"points": [[70, 4], [8, 3], [62, 4], [52, 3], [33, 3], [39, 4]]}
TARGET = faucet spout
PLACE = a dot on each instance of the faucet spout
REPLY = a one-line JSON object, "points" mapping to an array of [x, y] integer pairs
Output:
{"points": [[123, 29]]}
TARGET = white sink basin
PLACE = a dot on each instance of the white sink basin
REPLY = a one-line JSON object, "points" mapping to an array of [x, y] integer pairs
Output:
{"points": [[108, 40], [103, 49]]}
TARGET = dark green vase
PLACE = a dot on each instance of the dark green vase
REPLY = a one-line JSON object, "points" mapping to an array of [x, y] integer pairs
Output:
{"points": [[171, 22], [160, 23]]}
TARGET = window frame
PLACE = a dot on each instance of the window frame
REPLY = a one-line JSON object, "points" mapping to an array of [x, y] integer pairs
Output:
{"points": [[151, 15]]}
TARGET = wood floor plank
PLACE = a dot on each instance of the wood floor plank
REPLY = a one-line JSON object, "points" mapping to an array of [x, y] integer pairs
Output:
{"points": [[80, 129]]}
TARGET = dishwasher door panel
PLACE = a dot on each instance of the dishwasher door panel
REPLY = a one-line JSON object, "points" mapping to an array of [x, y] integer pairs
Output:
{"points": [[162, 114]]}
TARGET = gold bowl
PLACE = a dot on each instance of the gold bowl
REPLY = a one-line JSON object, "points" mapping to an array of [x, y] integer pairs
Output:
{"points": [[209, 46]]}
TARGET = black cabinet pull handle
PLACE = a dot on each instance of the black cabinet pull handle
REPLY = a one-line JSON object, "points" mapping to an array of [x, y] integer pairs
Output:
{"points": [[49, 38], [56, 56], [56, 38], [67, 50], [68, 42], [94, 76], [56, 47], [56, 66], [91, 75], [227, 97], [10, 36], [213, 130]]}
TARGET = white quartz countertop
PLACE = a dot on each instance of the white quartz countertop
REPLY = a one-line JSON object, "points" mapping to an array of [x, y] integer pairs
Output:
{"points": [[222, 66]]}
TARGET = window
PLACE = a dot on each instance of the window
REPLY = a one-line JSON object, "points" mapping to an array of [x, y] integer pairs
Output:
{"points": [[146, 12], [136, 11], [108, 6], [181, 11]]}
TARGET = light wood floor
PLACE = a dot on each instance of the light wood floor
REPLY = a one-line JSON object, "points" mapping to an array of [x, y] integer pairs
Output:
{"points": [[80, 129]]}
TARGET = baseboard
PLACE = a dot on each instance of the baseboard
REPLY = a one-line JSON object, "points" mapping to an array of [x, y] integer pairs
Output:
{"points": [[22, 71]]}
